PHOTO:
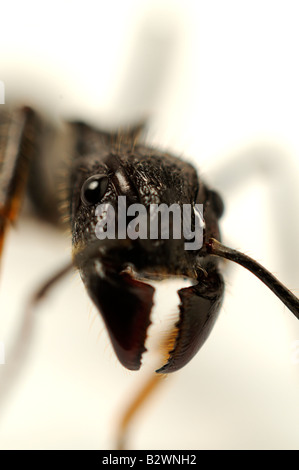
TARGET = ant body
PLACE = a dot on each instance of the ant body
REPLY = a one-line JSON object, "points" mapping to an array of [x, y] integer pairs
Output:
{"points": [[99, 167]]}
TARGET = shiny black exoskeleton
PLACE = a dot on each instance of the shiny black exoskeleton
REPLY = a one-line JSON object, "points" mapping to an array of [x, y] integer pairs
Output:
{"points": [[114, 272], [69, 172]]}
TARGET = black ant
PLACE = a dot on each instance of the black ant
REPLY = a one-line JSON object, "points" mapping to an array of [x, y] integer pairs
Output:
{"points": [[101, 166]]}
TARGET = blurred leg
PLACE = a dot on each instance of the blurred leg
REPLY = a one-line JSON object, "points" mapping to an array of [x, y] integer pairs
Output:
{"points": [[18, 138]]}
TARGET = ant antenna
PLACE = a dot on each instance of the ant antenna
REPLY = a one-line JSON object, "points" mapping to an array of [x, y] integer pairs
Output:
{"points": [[287, 297]]}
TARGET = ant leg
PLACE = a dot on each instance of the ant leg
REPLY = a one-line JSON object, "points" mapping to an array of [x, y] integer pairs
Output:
{"points": [[19, 132], [142, 397], [47, 286], [18, 353], [280, 174], [151, 383]]}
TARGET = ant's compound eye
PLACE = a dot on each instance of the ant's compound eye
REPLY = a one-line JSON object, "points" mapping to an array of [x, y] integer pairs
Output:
{"points": [[93, 189]]}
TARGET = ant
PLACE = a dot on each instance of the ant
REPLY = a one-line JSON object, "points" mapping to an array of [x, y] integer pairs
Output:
{"points": [[100, 166]]}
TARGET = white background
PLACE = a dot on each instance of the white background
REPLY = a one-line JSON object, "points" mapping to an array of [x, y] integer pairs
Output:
{"points": [[220, 82]]}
